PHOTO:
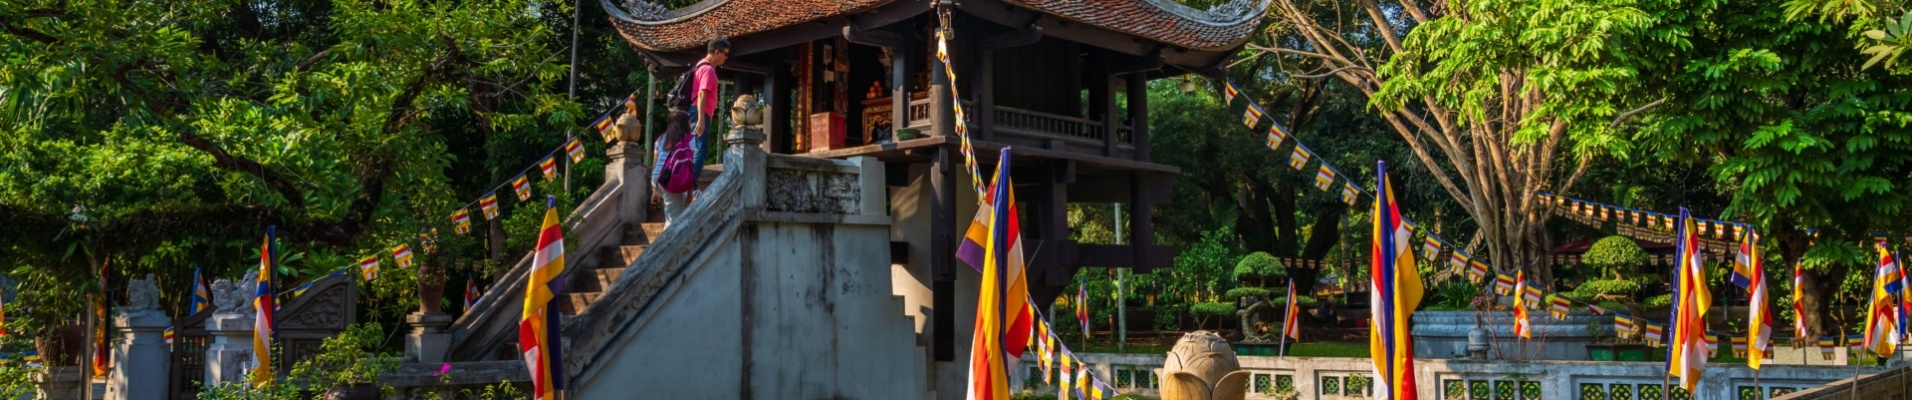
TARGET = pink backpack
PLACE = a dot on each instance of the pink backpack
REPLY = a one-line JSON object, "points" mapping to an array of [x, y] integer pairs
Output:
{"points": [[680, 171]]}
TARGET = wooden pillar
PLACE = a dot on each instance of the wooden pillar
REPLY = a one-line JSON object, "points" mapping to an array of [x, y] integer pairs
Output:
{"points": [[1139, 115], [778, 88], [902, 66], [1142, 222], [983, 85], [941, 117], [1052, 220], [1103, 94], [942, 185]]}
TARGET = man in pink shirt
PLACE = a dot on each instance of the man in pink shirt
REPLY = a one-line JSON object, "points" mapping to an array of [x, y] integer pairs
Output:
{"points": [[703, 85]]}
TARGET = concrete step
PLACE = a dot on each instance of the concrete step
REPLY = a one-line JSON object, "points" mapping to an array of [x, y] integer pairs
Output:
{"points": [[574, 303], [652, 230], [597, 280], [619, 256]]}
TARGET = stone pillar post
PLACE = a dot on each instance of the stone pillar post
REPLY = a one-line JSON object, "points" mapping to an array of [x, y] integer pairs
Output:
{"points": [[744, 138], [229, 355], [628, 165], [428, 341], [57, 383], [143, 359]]}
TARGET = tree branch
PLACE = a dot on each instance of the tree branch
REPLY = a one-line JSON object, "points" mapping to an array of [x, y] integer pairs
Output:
{"points": [[1617, 119]]}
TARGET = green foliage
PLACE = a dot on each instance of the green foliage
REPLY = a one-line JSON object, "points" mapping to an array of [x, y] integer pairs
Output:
{"points": [[1615, 256], [1303, 301], [1658, 302], [1606, 287], [1193, 278], [1455, 295], [1258, 266], [347, 359], [1241, 292], [1889, 43], [1216, 308]]}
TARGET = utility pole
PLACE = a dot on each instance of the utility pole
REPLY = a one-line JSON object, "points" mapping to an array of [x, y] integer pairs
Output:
{"points": [[571, 89], [1121, 304]]}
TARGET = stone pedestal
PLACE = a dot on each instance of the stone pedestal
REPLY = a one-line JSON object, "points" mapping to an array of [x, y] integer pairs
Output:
{"points": [[229, 356], [428, 341], [57, 383], [143, 358]]}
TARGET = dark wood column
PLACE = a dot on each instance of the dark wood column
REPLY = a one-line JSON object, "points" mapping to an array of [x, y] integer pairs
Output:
{"points": [[778, 88], [1050, 209], [941, 117], [942, 186], [1102, 99], [902, 65], [1139, 115], [1142, 221]]}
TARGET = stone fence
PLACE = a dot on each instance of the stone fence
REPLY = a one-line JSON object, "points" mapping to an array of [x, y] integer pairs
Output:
{"points": [[1888, 385], [1344, 378]]}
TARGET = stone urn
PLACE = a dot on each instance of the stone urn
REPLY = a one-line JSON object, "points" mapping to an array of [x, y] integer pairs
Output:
{"points": [[1201, 366], [431, 286], [1477, 343]]}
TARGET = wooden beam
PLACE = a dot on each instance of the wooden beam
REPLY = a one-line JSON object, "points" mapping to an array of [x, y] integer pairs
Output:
{"points": [[873, 37], [1020, 37], [1143, 64], [1139, 116]]}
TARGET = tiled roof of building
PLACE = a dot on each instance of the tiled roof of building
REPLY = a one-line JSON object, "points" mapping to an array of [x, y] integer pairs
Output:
{"points": [[1218, 28]]}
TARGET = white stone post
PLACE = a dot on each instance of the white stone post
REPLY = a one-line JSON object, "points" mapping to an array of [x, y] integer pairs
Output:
{"points": [[428, 341], [229, 356], [627, 166], [58, 383], [143, 360]]}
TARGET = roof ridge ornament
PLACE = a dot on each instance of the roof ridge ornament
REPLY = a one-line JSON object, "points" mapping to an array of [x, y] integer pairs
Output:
{"points": [[1233, 10], [646, 11]]}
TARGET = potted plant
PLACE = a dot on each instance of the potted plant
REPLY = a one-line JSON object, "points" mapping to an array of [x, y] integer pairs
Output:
{"points": [[1613, 284], [345, 367], [431, 286], [1256, 306], [48, 302]]}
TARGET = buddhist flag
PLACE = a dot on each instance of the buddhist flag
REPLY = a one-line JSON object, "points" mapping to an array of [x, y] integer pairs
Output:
{"points": [[1300, 157], [1456, 259], [603, 125], [549, 165], [402, 255], [461, 221], [1800, 332], [1324, 177], [169, 335], [1082, 306], [1431, 248], [471, 291], [202, 295], [1561, 307], [1003, 316], [1048, 354], [1655, 334], [489, 205], [1229, 92], [1759, 319], [1739, 348], [1349, 193], [1522, 326], [1288, 326], [1276, 135], [368, 267], [1623, 325], [540, 315], [1827, 346], [1882, 315], [1068, 368], [1252, 116], [264, 305], [1476, 271], [1505, 285], [630, 103], [1596, 309], [1687, 357], [575, 149], [1395, 293], [522, 186]]}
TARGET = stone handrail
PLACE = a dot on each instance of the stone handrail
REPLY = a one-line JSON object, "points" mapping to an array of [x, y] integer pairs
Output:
{"points": [[494, 320], [1889, 384]]}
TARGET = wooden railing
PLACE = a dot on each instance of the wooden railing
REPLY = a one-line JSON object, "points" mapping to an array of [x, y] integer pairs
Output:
{"points": [[1032, 124]]}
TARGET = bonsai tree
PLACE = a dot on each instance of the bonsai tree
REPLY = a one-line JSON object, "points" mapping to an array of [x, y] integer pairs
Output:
{"points": [[1252, 300], [1612, 260], [1255, 269]]}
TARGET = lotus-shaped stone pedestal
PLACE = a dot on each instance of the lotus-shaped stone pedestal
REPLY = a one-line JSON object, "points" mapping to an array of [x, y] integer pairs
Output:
{"points": [[1203, 367]]}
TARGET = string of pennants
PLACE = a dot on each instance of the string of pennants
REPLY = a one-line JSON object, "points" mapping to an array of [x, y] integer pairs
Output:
{"points": [[1624, 325], [1053, 356], [1717, 236], [487, 204], [1326, 176]]}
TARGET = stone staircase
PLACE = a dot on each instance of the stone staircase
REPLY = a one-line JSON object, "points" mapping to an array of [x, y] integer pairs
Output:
{"points": [[586, 285]]}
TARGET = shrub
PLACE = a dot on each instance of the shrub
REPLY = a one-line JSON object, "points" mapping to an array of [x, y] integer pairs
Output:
{"points": [[1591, 290], [1258, 266], [1240, 292], [1661, 301], [1454, 296], [1213, 308], [1614, 256], [1303, 301]]}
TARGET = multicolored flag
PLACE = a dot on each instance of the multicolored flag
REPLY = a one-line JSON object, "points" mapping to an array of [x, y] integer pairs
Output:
{"points": [[202, 295], [402, 255], [461, 222], [1431, 248], [1048, 354], [1291, 311], [1882, 316], [522, 186], [1229, 92], [1596, 309], [1739, 348], [1523, 326], [1687, 357], [1476, 271], [1759, 332], [1003, 316], [1623, 326], [264, 305], [540, 315], [1349, 193], [1395, 292], [1276, 135], [1082, 306], [1456, 259], [1506, 285], [1067, 375], [630, 104], [1300, 157], [1828, 346], [489, 205], [1252, 116], [471, 291], [1561, 307], [169, 335], [549, 165], [574, 148], [1324, 177], [368, 267], [1655, 334]]}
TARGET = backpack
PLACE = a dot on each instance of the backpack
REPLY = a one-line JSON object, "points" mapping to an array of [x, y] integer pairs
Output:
{"points": [[685, 91], [679, 169]]}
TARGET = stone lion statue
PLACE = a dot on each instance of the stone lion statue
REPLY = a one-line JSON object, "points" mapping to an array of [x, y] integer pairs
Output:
{"points": [[229, 297], [1203, 367], [141, 295]]}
